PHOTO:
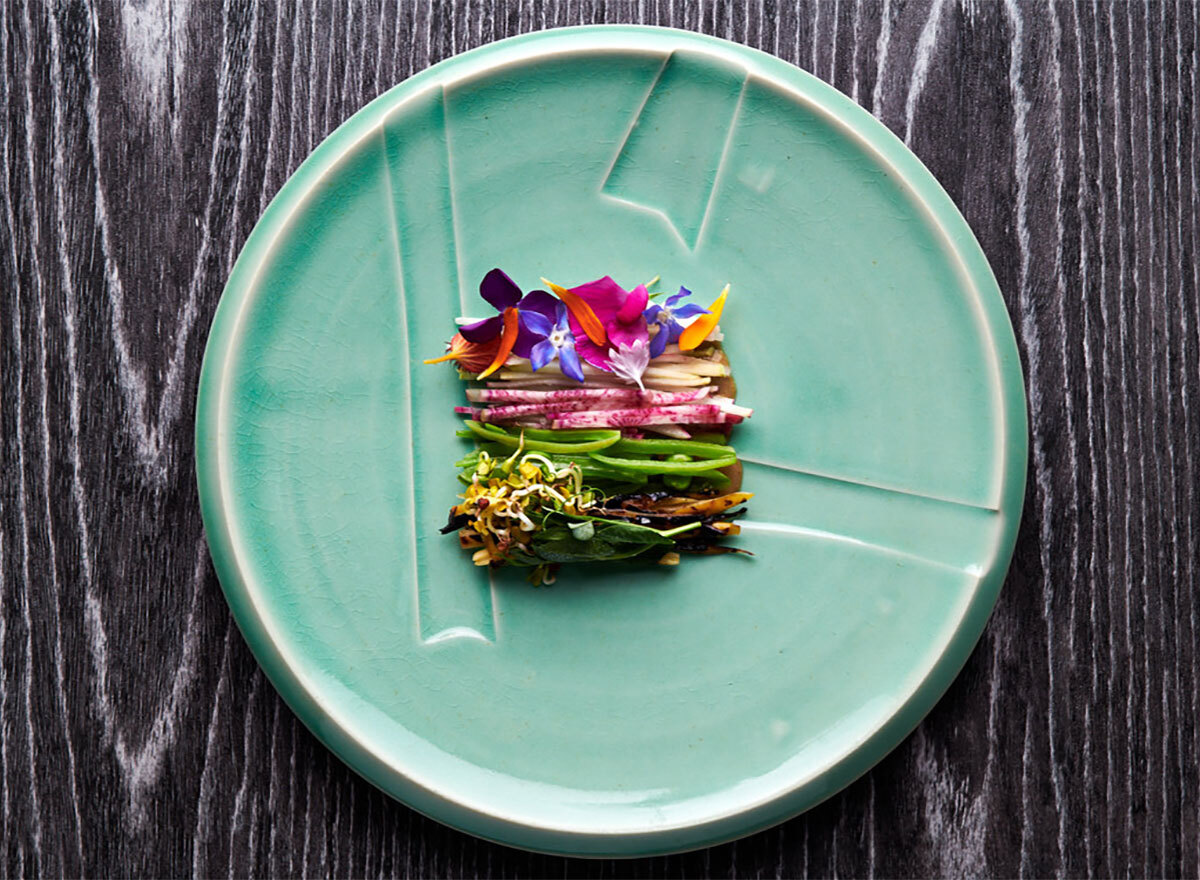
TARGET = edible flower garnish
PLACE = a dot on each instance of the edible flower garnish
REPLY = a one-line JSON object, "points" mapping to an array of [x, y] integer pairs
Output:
{"points": [[666, 317], [508, 338], [557, 341], [601, 334], [698, 330], [619, 311], [471, 356], [581, 312], [502, 293], [629, 336], [623, 455]]}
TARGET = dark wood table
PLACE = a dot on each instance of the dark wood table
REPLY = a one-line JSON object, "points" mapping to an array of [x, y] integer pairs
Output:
{"points": [[140, 143]]}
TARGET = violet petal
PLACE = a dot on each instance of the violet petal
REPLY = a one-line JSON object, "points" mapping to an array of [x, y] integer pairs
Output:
{"points": [[676, 297], [526, 340], [689, 310], [499, 290], [568, 361], [536, 321], [541, 354], [658, 342], [541, 303], [482, 331]]}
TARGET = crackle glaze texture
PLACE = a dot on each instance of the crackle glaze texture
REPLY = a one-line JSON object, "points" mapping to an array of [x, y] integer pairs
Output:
{"points": [[142, 142]]}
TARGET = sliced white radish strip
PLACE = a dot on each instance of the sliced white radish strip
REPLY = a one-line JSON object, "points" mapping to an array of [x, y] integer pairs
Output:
{"points": [[697, 368], [727, 405], [673, 431]]}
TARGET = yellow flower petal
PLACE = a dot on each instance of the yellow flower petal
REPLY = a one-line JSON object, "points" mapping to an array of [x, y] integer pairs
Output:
{"points": [[697, 331]]}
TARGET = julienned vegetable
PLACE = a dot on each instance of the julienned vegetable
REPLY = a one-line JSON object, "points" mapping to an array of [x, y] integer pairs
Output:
{"points": [[563, 469], [668, 466], [570, 446]]}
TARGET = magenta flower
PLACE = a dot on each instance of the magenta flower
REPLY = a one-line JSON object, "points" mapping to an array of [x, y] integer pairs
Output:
{"points": [[627, 352]]}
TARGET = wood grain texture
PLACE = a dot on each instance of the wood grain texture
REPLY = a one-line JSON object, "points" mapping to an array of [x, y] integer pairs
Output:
{"points": [[139, 144]]}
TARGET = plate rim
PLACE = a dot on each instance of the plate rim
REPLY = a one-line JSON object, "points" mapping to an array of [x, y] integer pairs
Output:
{"points": [[306, 701]]}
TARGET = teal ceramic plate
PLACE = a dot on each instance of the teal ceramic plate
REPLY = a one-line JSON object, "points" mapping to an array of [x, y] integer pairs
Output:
{"points": [[624, 711]]}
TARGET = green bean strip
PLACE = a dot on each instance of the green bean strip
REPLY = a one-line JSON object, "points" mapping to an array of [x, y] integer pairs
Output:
{"points": [[678, 482], [483, 432], [564, 435], [715, 477], [655, 446], [665, 467]]}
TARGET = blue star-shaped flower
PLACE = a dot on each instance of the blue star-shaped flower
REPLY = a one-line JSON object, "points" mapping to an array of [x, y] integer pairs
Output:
{"points": [[667, 317]]}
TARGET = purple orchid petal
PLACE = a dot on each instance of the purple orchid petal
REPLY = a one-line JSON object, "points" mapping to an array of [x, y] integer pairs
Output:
{"points": [[539, 302], [482, 331], [561, 321], [671, 300], [499, 290], [673, 331], [568, 361], [542, 354], [651, 313], [689, 310], [658, 342]]}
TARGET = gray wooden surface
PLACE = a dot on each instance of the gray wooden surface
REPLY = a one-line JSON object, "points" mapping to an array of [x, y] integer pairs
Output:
{"points": [[140, 143]]}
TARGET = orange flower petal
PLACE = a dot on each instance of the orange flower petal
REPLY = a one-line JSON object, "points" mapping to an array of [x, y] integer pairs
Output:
{"points": [[471, 356], [697, 331], [582, 311], [508, 339]]}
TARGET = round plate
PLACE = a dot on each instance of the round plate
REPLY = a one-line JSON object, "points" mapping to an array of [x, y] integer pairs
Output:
{"points": [[627, 710]]}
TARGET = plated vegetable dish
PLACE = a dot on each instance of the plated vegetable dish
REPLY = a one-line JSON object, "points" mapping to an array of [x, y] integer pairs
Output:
{"points": [[621, 452]]}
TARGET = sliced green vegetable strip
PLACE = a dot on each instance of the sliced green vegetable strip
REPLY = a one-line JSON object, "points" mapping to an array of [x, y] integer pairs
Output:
{"points": [[665, 467], [565, 435], [655, 446], [561, 435], [710, 437], [603, 442], [678, 482], [715, 477]]}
